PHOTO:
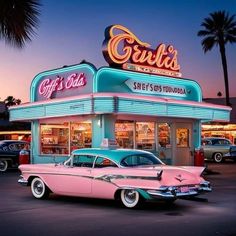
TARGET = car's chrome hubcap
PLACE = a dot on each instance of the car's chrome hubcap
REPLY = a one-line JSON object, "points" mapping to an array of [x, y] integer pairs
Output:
{"points": [[130, 196], [38, 187], [218, 157], [2, 165]]}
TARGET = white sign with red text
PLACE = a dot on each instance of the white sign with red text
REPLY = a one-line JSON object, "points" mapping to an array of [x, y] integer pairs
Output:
{"points": [[156, 88]]}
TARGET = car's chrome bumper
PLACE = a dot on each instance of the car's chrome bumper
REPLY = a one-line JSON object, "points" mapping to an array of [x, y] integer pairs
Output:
{"points": [[180, 191], [22, 181]]}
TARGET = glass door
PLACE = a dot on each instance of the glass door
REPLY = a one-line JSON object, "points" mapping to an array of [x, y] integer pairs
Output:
{"points": [[183, 144], [164, 145]]}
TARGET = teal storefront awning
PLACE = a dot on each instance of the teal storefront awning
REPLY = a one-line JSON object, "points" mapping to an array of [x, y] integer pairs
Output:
{"points": [[119, 103]]}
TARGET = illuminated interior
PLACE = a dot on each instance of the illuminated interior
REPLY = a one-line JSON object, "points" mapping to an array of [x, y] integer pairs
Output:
{"points": [[220, 130], [61, 139]]}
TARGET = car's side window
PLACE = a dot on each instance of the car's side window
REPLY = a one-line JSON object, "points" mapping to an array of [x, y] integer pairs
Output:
{"points": [[226, 142], [206, 142], [215, 142], [104, 162], [5, 148], [135, 160], [83, 160]]}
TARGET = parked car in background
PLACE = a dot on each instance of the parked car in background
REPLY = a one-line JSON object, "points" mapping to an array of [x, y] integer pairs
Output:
{"points": [[215, 148], [9, 153], [127, 175], [231, 154]]}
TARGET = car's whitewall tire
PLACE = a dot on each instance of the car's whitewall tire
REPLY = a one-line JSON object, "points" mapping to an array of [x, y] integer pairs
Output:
{"points": [[218, 157], [130, 198], [39, 189], [3, 165]]}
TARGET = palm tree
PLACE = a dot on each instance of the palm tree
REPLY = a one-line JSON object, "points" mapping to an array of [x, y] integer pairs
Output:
{"points": [[219, 29], [18, 20], [11, 101]]}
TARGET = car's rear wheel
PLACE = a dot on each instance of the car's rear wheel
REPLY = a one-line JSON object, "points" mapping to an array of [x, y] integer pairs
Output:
{"points": [[3, 165], [218, 157], [130, 198], [39, 189]]}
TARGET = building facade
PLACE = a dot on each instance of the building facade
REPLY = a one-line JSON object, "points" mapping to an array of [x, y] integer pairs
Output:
{"points": [[139, 105]]}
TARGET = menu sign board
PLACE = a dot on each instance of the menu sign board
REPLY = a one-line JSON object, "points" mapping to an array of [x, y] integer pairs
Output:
{"points": [[123, 49], [157, 88]]}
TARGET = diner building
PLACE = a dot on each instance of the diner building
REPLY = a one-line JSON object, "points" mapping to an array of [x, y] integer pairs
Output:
{"points": [[134, 100]]}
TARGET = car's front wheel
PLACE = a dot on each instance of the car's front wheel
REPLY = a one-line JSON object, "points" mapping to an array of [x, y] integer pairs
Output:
{"points": [[39, 189], [130, 198], [218, 157], [3, 165]]}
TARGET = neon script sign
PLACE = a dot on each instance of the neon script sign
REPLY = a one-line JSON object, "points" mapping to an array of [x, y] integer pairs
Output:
{"points": [[48, 86], [124, 49]]}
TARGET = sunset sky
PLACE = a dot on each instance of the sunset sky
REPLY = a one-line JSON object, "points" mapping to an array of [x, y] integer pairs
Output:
{"points": [[71, 31]]}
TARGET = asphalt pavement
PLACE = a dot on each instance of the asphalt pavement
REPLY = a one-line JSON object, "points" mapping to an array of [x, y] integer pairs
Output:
{"points": [[210, 214]]}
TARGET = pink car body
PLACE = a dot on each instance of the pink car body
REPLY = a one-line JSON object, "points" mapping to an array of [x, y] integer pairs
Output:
{"points": [[99, 173]]}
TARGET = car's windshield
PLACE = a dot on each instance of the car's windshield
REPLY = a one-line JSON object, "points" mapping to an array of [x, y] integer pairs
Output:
{"points": [[140, 160]]}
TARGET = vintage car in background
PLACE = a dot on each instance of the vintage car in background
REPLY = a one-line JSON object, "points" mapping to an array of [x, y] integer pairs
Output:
{"points": [[9, 153], [128, 175], [215, 148], [231, 154]]}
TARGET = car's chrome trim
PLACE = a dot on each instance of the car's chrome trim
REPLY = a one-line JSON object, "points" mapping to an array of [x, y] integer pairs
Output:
{"points": [[111, 177], [107, 177], [22, 181], [173, 192]]}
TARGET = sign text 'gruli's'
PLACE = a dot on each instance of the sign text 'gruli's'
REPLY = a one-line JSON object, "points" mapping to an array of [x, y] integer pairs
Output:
{"points": [[126, 50], [48, 86]]}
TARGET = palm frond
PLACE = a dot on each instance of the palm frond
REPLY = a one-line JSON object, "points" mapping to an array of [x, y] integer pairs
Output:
{"points": [[18, 20], [208, 43]]}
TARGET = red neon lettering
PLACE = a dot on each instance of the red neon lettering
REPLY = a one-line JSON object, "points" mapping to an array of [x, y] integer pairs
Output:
{"points": [[126, 47]]}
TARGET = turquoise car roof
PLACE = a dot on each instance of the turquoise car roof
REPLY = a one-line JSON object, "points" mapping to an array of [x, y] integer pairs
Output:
{"points": [[114, 154]]}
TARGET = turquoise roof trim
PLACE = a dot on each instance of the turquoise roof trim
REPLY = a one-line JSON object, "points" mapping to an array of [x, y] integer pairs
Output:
{"points": [[115, 80]]}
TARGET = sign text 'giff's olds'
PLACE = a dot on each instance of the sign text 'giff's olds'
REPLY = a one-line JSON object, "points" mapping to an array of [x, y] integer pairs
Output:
{"points": [[123, 49]]}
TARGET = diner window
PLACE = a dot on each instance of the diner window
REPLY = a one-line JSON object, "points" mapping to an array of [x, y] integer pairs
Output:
{"points": [[164, 135], [182, 137], [54, 139], [81, 135], [145, 135], [124, 132], [62, 139]]}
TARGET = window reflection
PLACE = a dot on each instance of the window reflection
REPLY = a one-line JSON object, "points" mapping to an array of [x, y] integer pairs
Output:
{"points": [[81, 135], [164, 135], [182, 137], [145, 135], [124, 132], [54, 138], [61, 139]]}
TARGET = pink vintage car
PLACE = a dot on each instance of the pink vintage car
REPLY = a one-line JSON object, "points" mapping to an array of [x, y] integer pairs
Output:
{"points": [[128, 175]]}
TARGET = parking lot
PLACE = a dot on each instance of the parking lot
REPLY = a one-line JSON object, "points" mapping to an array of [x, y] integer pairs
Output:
{"points": [[211, 214]]}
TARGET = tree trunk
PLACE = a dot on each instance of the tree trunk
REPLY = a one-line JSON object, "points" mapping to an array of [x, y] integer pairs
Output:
{"points": [[225, 70]]}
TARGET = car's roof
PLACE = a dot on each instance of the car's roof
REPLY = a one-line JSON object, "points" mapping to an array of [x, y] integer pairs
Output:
{"points": [[115, 154], [13, 141], [214, 138]]}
